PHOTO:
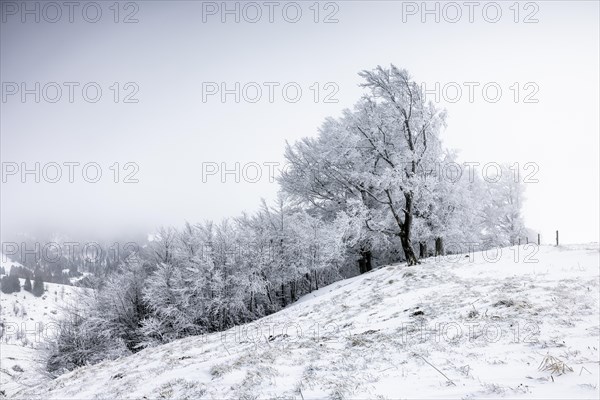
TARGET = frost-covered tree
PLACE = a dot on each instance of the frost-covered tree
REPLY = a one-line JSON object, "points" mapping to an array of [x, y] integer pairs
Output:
{"points": [[103, 323], [121, 304], [238, 270], [27, 286], [174, 313], [81, 337], [300, 249], [502, 199], [163, 244], [38, 285], [448, 208], [371, 157], [315, 179], [10, 284]]}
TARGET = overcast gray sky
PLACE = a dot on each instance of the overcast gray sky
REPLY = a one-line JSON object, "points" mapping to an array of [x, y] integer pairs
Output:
{"points": [[168, 59]]}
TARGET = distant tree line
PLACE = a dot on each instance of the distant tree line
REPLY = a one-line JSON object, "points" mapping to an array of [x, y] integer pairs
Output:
{"points": [[56, 261], [11, 283]]}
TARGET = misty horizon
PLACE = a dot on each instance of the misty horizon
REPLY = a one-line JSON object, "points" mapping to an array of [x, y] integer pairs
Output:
{"points": [[174, 117]]}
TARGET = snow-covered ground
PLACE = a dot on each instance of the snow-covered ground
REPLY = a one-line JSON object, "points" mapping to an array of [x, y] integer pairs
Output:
{"points": [[27, 323], [525, 326]]}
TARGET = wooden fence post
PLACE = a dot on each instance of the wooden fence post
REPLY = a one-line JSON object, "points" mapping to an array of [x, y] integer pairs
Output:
{"points": [[557, 238], [538, 239]]}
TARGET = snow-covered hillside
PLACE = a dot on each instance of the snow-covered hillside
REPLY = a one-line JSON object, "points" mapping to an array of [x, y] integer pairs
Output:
{"points": [[27, 323], [461, 327]]}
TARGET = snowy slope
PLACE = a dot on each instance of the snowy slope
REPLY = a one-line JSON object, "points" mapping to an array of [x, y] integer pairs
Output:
{"points": [[459, 328], [27, 325]]}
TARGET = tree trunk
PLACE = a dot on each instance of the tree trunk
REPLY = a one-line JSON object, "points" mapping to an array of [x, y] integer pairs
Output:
{"points": [[364, 263], [283, 300], [439, 246], [362, 268], [422, 249], [368, 263], [409, 253], [293, 291]]}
